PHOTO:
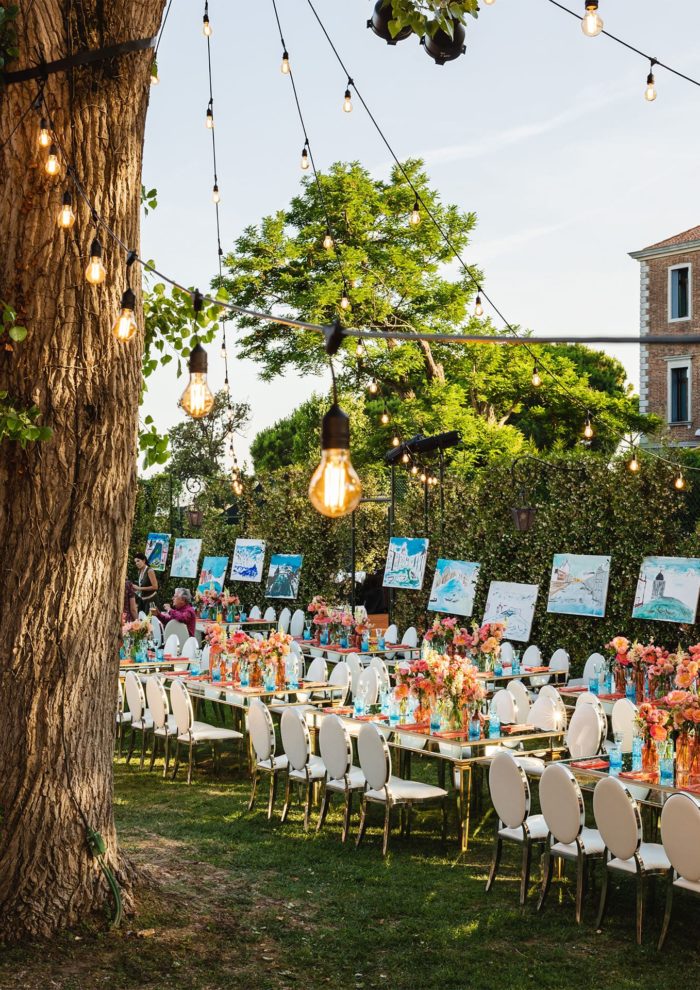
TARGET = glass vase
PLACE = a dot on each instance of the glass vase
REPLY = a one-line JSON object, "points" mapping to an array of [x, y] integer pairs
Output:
{"points": [[650, 757], [687, 759], [141, 651]]}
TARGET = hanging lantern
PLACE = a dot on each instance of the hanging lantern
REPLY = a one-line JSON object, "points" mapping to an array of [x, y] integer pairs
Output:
{"points": [[195, 517], [379, 24], [442, 48], [523, 518]]}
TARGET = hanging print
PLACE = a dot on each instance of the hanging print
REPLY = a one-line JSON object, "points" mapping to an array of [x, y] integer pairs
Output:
{"points": [[284, 575], [157, 545], [185, 558], [213, 574], [579, 584], [667, 590], [248, 560], [405, 563], [453, 588]]}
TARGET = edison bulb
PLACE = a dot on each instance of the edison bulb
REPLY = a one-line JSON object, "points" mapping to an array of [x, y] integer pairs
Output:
{"points": [[347, 102], [210, 119], [415, 215], [125, 326], [335, 489], [328, 241], [358, 350], [423, 477], [384, 418], [345, 302], [488, 3], [215, 194], [395, 441], [373, 388], [591, 23], [650, 91], [633, 464], [66, 216], [95, 272], [206, 27], [284, 67], [679, 483], [44, 134], [588, 430], [478, 308], [52, 166], [304, 159], [197, 400], [414, 470], [536, 379], [405, 458]]}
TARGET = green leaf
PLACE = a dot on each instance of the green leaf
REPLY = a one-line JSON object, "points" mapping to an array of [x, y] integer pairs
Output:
{"points": [[17, 333]]}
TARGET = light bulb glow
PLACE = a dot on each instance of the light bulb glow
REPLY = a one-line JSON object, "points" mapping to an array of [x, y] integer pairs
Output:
{"points": [[423, 477], [679, 483], [335, 489], [44, 134], [536, 379], [328, 241], [215, 194], [478, 308], [633, 464], [95, 272], [206, 27], [284, 67], [650, 91], [588, 429], [384, 418], [66, 216], [210, 119], [405, 458], [591, 23], [347, 102], [52, 166], [395, 441], [373, 388], [197, 400], [488, 3], [415, 215], [345, 302], [304, 159], [125, 326], [358, 350]]}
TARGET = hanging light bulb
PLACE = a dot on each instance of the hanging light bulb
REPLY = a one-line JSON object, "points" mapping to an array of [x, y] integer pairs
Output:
{"points": [[52, 166], [44, 134], [197, 400], [591, 24], [345, 302], [66, 217], [415, 214], [125, 326], [588, 428], [284, 67], [207, 30], [215, 194], [335, 489], [650, 91], [384, 418], [347, 102], [304, 159], [423, 477], [95, 272], [223, 349], [414, 470], [210, 119], [373, 388], [478, 308], [633, 464], [536, 379], [328, 240], [155, 78], [358, 350], [405, 457], [679, 483], [395, 441]]}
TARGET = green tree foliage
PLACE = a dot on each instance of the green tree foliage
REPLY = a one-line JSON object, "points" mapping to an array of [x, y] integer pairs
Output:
{"points": [[429, 16]]}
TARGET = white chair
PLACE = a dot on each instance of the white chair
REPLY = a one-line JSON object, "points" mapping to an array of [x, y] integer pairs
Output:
{"points": [[340, 678], [164, 724], [569, 840], [356, 668], [206, 653], [285, 619], [510, 795], [504, 703], [620, 824], [255, 613], [383, 788], [368, 685], [549, 691], [262, 736], [409, 638], [296, 626], [157, 630], [586, 698], [142, 615], [178, 629], [587, 730], [318, 671], [123, 718], [507, 653], [560, 663], [270, 614], [376, 663], [544, 713], [190, 648], [191, 733], [521, 696], [172, 645], [547, 715], [532, 657], [391, 636], [680, 834], [141, 720], [341, 776], [623, 718], [302, 767], [594, 660]]}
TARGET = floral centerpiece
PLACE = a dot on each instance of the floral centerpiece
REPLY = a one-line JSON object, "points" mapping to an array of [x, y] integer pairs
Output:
{"points": [[135, 635], [650, 667], [207, 601], [229, 602], [450, 680], [652, 723], [684, 714], [486, 642], [442, 632], [264, 659], [687, 668]]}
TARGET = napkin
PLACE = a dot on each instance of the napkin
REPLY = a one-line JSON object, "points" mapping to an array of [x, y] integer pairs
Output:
{"points": [[595, 764], [510, 730], [537, 670]]}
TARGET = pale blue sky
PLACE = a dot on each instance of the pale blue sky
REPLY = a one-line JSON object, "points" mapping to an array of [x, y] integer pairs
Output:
{"points": [[542, 132]]}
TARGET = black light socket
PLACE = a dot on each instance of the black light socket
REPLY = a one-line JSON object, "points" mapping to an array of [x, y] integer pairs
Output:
{"points": [[128, 299], [198, 362], [335, 429]]}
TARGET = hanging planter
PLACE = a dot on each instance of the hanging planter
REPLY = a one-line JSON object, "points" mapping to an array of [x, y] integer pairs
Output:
{"points": [[379, 24], [443, 48]]}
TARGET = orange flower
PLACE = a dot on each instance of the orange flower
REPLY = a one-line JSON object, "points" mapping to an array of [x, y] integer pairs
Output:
{"points": [[658, 732], [401, 691]]}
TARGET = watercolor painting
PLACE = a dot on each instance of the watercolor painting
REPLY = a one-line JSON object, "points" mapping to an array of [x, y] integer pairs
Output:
{"points": [[157, 545], [213, 574], [248, 560], [284, 575], [454, 584], [405, 563], [185, 558], [667, 590], [513, 604], [579, 584]]}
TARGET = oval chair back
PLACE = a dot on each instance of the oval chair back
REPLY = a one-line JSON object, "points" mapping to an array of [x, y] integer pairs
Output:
{"points": [[376, 663], [521, 696], [296, 626], [157, 630], [507, 652], [285, 619], [179, 629], [368, 684], [680, 834], [318, 670], [622, 718], [182, 707], [157, 701], [532, 656], [336, 747], [410, 637], [340, 677], [134, 695], [172, 646], [617, 818], [262, 731], [594, 660], [549, 691], [255, 613], [583, 736], [270, 614], [353, 662], [544, 714], [206, 653], [504, 703], [375, 761], [190, 648], [392, 634], [561, 803], [510, 791], [295, 738], [586, 698], [559, 661]]}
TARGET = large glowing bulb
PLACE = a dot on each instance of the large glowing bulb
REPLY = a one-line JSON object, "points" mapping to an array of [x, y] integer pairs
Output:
{"points": [[347, 102], [588, 429], [125, 325], [633, 464], [304, 159], [210, 119], [650, 91], [591, 23], [335, 489], [95, 272], [415, 215], [66, 216], [215, 194], [284, 67], [328, 240], [44, 134], [536, 377], [478, 308], [679, 483], [206, 27], [344, 302], [197, 400], [52, 166]]}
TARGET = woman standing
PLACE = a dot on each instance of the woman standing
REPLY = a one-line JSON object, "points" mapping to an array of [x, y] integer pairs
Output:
{"points": [[147, 582]]}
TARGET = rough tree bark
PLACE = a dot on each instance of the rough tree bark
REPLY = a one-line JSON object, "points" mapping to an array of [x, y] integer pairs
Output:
{"points": [[66, 505]]}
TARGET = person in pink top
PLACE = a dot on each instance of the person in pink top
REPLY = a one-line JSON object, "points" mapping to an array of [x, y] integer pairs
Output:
{"points": [[181, 610]]}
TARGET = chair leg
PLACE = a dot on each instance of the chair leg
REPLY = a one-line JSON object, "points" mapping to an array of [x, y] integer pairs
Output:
{"points": [[325, 802], [143, 748], [495, 862], [580, 886], [254, 790], [166, 757], [132, 740], [667, 912], [347, 816], [363, 822], [547, 871], [273, 795], [640, 907], [444, 818], [603, 895], [387, 829], [120, 739], [287, 800], [177, 759], [153, 754], [525, 877], [307, 804], [189, 766]]}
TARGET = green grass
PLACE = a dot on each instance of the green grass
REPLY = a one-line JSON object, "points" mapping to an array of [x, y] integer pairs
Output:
{"points": [[229, 900]]}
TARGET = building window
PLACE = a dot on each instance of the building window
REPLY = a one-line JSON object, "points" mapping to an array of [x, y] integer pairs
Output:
{"points": [[679, 293], [679, 391]]}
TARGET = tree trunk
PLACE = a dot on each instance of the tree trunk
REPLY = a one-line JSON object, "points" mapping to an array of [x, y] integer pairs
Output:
{"points": [[433, 370], [66, 505]]}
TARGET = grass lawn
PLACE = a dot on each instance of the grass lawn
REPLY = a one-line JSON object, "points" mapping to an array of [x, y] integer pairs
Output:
{"points": [[229, 900]]}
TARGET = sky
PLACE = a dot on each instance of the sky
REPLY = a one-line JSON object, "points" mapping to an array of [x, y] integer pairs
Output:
{"points": [[542, 132]]}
